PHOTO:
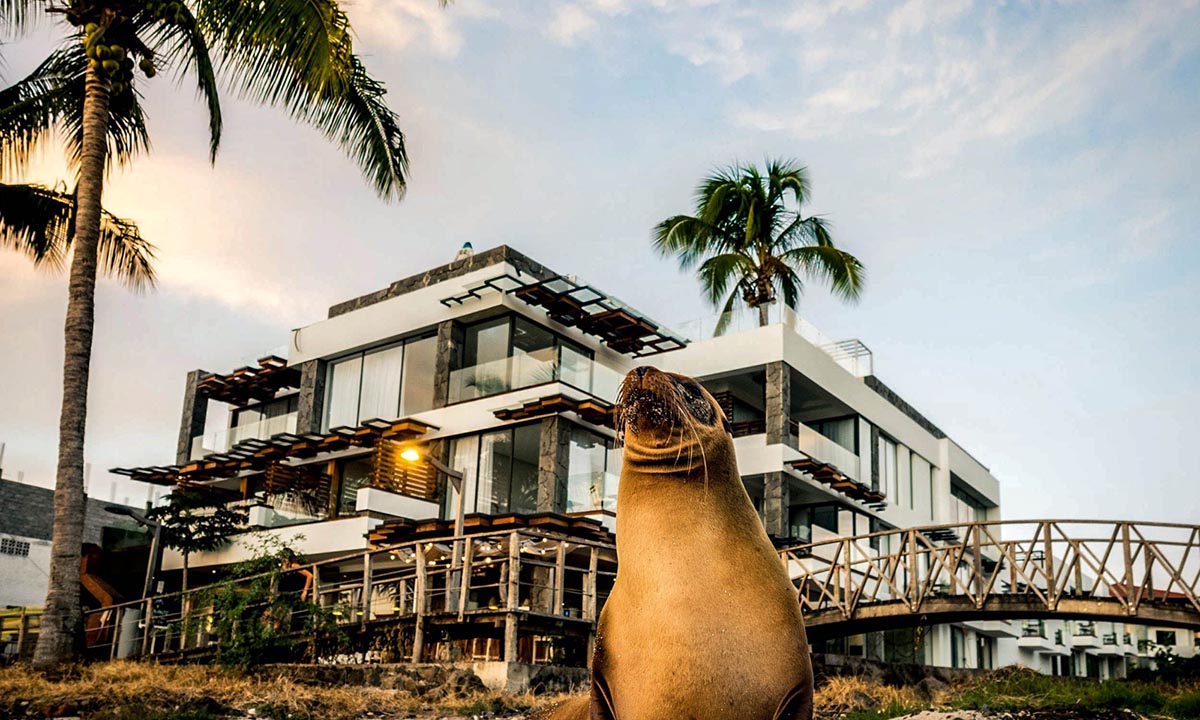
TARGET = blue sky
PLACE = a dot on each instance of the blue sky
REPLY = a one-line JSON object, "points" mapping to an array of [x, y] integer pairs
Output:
{"points": [[1019, 178]]}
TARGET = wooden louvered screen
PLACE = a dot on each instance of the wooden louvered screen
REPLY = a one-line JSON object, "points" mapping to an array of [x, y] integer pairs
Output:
{"points": [[394, 473], [306, 482]]}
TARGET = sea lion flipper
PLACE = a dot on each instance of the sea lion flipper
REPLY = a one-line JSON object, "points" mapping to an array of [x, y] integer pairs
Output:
{"points": [[601, 705], [797, 704]]}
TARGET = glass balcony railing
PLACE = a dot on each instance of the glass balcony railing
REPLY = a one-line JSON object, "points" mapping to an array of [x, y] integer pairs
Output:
{"points": [[521, 371], [222, 440], [822, 449]]}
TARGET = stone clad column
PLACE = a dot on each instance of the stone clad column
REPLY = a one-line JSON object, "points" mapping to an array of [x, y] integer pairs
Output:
{"points": [[776, 503], [778, 404], [448, 343], [195, 412], [554, 464], [310, 407]]}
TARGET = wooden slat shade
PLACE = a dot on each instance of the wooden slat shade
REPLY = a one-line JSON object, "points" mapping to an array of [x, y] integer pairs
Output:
{"points": [[250, 384], [398, 531], [828, 474], [395, 474], [594, 411], [257, 454]]}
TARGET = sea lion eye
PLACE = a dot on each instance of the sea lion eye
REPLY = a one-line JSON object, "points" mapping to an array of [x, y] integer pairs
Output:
{"points": [[697, 404]]}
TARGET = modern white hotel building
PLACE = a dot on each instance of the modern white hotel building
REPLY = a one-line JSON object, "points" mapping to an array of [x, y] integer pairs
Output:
{"points": [[508, 370]]}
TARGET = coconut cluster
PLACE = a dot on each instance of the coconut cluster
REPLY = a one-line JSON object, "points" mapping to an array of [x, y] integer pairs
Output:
{"points": [[111, 60], [169, 11]]}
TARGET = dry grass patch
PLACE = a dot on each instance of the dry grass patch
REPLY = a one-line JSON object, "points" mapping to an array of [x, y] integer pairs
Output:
{"points": [[139, 691], [855, 697]]}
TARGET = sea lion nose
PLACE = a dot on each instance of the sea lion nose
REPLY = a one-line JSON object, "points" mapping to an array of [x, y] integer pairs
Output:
{"points": [[641, 372]]}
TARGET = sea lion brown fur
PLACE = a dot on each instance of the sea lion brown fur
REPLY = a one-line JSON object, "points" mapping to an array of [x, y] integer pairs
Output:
{"points": [[703, 622]]}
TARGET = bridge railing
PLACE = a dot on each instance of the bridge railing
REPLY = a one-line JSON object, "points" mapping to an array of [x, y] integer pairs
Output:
{"points": [[1045, 561]]}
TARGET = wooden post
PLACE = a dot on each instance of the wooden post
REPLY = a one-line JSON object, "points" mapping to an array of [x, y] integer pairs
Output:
{"points": [[366, 588], [1048, 565], [560, 570], [1130, 606], [419, 599], [464, 587], [147, 626], [593, 589], [22, 632], [914, 586], [978, 565], [511, 628]]}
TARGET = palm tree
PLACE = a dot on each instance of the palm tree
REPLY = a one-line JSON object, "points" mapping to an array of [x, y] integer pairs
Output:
{"points": [[752, 244], [37, 222], [297, 54]]}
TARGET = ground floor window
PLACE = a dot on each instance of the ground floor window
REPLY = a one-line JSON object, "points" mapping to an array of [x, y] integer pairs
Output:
{"points": [[500, 470], [594, 467]]}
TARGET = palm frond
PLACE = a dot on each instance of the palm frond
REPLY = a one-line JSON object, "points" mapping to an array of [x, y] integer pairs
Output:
{"points": [[690, 238], [298, 54], [39, 222], [844, 273], [17, 16], [36, 222], [51, 98], [184, 47], [719, 271]]}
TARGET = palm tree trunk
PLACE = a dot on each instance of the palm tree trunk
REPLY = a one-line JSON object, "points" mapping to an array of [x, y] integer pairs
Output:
{"points": [[764, 315], [62, 619]]}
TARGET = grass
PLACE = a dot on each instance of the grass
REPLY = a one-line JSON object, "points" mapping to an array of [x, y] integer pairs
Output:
{"points": [[137, 691], [142, 691]]}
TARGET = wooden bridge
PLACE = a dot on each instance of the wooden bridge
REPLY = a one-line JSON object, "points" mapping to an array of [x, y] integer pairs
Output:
{"points": [[1143, 573]]}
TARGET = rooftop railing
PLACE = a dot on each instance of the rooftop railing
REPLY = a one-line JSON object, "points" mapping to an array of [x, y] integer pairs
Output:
{"points": [[852, 354]]}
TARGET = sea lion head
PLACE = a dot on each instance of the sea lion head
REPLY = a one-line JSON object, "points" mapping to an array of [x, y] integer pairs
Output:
{"points": [[669, 423]]}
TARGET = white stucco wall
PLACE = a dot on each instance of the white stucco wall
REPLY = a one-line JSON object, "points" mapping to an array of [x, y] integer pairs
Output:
{"points": [[24, 580]]}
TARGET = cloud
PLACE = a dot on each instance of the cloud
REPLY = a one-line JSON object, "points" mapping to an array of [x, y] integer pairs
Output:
{"points": [[402, 24], [570, 24]]}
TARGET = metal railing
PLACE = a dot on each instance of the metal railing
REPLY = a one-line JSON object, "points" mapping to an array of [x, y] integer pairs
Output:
{"points": [[1135, 566]]}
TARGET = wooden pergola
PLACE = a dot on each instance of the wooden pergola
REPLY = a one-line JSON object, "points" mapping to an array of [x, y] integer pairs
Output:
{"points": [[250, 384]]}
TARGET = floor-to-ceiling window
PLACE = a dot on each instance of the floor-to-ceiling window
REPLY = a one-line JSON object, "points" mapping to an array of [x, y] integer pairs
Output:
{"points": [[843, 431], [964, 507], [388, 382], [590, 483], [510, 352], [500, 470], [920, 475], [889, 475]]}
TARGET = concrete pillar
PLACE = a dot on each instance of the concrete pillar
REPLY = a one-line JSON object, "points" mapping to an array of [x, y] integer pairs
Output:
{"points": [[554, 464], [195, 412], [310, 407], [874, 444], [449, 342], [778, 404], [776, 501]]}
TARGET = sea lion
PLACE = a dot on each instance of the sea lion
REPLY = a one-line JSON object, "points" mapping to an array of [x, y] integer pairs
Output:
{"points": [[703, 621]]}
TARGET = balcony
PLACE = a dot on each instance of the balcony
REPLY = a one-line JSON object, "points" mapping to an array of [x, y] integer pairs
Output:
{"points": [[1085, 636], [822, 449], [854, 357], [522, 371], [222, 440]]}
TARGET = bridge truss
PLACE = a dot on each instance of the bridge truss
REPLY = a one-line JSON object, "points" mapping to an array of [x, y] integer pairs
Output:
{"points": [[1124, 571]]}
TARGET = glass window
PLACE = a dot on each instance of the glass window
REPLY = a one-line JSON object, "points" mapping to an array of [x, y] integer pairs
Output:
{"points": [[964, 508], [533, 354], [888, 476], [342, 404], [387, 383], [464, 457], [842, 431], [380, 393], [495, 471], [575, 366], [527, 441], [825, 516], [420, 365], [485, 357], [587, 463], [355, 474], [1164, 637]]}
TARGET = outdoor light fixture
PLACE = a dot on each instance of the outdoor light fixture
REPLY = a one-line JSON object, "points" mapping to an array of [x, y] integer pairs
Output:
{"points": [[410, 454]]}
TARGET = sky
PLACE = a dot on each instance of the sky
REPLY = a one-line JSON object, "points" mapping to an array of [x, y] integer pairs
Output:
{"points": [[1019, 178]]}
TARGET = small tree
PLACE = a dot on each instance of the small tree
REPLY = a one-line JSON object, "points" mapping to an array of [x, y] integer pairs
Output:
{"points": [[196, 521]]}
